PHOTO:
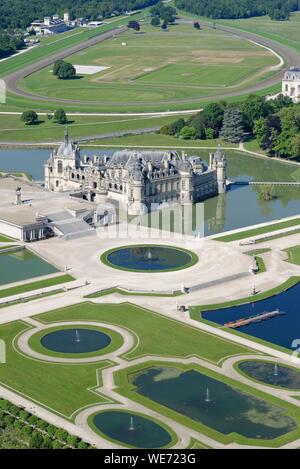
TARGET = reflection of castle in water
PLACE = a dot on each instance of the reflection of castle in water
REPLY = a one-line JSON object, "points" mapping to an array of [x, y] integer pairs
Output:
{"points": [[216, 222]]}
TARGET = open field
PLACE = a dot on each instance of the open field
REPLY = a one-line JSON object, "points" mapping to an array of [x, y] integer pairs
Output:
{"points": [[12, 129], [66, 388], [145, 71]]}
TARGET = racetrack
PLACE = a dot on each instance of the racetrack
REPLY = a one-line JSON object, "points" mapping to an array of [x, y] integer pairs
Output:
{"points": [[289, 55]]}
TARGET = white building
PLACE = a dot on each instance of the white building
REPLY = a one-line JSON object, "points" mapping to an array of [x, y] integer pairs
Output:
{"points": [[291, 84]]}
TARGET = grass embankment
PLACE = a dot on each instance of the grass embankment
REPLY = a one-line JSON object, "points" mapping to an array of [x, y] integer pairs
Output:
{"points": [[293, 254], [259, 260], [5, 239], [31, 298], [120, 291], [66, 388], [259, 230], [17, 290]]}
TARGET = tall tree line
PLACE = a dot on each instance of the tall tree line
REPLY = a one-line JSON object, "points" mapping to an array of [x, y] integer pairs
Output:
{"points": [[18, 14], [218, 9]]}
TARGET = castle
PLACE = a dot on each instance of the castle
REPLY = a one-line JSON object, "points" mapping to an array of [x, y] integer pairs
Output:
{"points": [[139, 179], [291, 84]]}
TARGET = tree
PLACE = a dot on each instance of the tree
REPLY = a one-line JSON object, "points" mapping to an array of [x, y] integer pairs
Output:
{"points": [[29, 117], [64, 70], [232, 129], [134, 25], [253, 108], [155, 21], [211, 117], [36, 440], [188, 133], [60, 116], [196, 25], [56, 66], [164, 26]]}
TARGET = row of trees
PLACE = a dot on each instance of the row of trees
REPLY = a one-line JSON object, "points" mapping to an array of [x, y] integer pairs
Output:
{"points": [[274, 123], [20, 13], [10, 42], [31, 117], [218, 9], [37, 433]]}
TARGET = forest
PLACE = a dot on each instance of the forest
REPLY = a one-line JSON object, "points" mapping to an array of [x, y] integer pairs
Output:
{"points": [[224, 9], [18, 14]]}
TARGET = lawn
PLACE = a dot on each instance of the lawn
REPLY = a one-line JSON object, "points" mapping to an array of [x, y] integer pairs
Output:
{"points": [[5, 239], [66, 388], [293, 254], [13, 129], [35, 285], [260, 230], [150, 69]]}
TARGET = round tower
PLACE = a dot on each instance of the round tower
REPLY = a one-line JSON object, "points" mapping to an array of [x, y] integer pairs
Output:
{"points": [[219, 164]]}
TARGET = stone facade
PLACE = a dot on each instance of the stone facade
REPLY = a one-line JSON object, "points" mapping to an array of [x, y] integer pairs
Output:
{"points": [[291, 84], [139, 179]]}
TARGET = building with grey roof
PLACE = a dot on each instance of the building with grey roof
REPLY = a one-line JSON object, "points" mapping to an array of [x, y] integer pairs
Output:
{"points": [[291, 84], [141, 180]]}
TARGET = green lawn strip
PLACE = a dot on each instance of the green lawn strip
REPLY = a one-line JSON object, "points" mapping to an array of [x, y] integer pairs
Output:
{"points": [[35, 285], [252, 145], [255, 252], [258, 231], [126, 388], [196, 444], [193, 258], [5, 239], [277, 236], [8, 247], [116, 342], [119, 291], [31, 298], [172, 434], [153, 331], [296, 175], [61, 388], [293, 254], [259, 260], [237, 368]]}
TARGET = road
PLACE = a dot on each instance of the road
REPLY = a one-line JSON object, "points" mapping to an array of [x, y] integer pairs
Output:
{"points": [[289, 55]]}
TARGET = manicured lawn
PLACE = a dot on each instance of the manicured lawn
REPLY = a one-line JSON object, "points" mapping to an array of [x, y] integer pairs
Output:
{"points": [[5, 239], [293, 254], [157, 334], [150, 70], [277, 236], [119, 291], [35, 285], [66, 388], [258, 231], [13, 129]]}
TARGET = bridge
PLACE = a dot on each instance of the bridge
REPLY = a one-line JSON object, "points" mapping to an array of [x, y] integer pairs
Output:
{"points": [[263, 183]]}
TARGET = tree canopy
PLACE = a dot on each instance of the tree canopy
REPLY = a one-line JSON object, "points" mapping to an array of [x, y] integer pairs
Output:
{"points": [[218, 9]]}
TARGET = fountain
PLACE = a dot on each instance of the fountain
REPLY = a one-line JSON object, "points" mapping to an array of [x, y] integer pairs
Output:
{"points": [[77, 336], [131, 425], [207, 397], [149, 255], [275, 371]]}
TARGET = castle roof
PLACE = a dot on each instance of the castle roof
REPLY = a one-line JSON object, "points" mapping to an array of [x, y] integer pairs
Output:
{"points": [[292, 73]]}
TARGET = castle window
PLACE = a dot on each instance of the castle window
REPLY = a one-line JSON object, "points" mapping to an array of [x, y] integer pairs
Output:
{"points": [[121, 188], [95, 185], [83, 178], [57, 183], [116, 187], [72, 175], [59, 166], [109, 185], [78, 176]]}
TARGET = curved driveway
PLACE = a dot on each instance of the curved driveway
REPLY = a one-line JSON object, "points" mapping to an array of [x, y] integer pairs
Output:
{"points": [[289, 55]]}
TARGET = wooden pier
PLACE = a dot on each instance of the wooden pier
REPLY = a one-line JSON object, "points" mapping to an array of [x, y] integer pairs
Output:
{"points": [[258, 318]]}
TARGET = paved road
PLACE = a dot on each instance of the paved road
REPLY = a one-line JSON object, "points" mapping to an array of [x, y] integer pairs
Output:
{"points": [[289, 55]]}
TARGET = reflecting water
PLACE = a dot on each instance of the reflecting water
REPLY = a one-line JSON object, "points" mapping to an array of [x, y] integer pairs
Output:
{"points": [[228, 410], [21, 265], [276, 375], [75, 340], [151, 258], [281, 330], [132, 429]]}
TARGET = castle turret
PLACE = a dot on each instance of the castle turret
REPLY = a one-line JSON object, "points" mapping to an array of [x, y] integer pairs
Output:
{"points": [[218, 163], [186, 173]]}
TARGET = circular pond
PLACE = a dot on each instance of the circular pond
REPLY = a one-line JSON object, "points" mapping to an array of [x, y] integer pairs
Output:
{"points": [[77, 340], [131, 429], [149, 258], [271, 373]]}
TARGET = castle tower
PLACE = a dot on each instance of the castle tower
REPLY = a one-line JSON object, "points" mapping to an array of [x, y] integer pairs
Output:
{"points": [[186, 183], [65, 158], [218, 163], [66, 17]]}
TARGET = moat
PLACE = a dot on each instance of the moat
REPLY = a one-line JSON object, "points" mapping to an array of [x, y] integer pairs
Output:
{"points": [[222, 213]]}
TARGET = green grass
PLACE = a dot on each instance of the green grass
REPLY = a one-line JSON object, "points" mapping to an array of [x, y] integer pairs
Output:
{"points": [[17, 290], [145, 72], [119, 291], [66, 388], [293, 254], [277, 236], [192, 256], [5, 239], [126, 388], [258, 231], [252, 145], [13, 129], [116, 342], [260, 264], [258, 251], [8, 247], [30, 298]]}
